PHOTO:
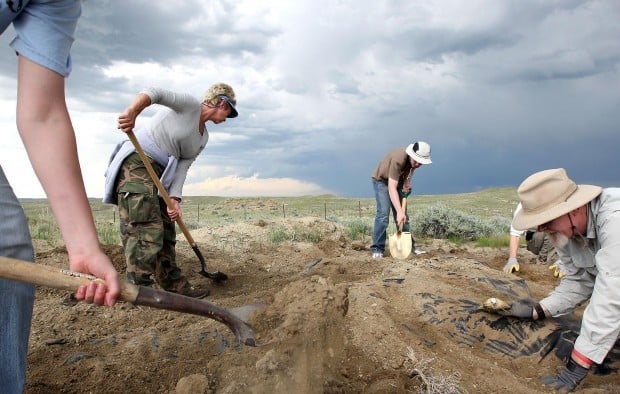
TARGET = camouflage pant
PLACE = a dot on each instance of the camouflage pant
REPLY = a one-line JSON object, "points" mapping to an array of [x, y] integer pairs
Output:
{"points": [[148, 234], [539, 244]]}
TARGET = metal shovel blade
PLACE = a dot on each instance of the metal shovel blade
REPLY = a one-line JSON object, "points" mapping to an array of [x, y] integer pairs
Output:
{"points": [[215, 275], [400, 245]]}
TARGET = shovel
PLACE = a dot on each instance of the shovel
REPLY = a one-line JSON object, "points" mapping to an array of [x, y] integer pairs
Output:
{"points": [[43, 275], [216, 276], [400, 242]]}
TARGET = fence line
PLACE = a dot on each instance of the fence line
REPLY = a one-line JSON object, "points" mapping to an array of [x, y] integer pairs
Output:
{"points": [[198, 215], [43, 224], [229, 211]]}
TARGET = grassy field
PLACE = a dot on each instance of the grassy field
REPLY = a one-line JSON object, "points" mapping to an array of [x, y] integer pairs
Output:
{"points": [[355, 213]]}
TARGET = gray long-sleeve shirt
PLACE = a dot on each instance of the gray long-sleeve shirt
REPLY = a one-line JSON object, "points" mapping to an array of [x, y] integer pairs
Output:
{"points": [[175, 130], [593, 271]]}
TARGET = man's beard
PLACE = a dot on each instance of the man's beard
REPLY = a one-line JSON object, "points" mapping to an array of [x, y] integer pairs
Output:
{"points": [[558, 240]]}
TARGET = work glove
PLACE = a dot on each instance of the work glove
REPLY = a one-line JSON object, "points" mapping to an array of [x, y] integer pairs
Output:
{"points": [[568, 379], [520, 309], [511, 265], [559, 271]]}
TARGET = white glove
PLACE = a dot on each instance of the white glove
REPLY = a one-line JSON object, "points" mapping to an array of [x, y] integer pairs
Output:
{"points": [[511, 265]]}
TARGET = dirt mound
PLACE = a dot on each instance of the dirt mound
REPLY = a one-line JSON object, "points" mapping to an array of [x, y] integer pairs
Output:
{"points": [[327, 318]]}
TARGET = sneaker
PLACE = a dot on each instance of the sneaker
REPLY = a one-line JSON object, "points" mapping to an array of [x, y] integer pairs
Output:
{"points": [[193, 291], [377, 255], [418, 251]]}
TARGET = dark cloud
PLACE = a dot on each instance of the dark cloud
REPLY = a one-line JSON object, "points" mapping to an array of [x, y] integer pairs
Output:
{"points": [[499, 91], [146, 31]]}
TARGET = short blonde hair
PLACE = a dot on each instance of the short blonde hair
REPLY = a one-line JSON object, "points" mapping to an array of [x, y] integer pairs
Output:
{"points": [[214, 93]]}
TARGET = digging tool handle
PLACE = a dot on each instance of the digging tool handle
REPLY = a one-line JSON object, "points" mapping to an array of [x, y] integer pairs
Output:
{"points": [[57, 278], [404, 207], [42, 275], [160, 187], [199, 254], [217, 276]]}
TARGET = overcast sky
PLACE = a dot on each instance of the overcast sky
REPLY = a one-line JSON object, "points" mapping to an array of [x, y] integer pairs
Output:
{"points": [[500, 89]]}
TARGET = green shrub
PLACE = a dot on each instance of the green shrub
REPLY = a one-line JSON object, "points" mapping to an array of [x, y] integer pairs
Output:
{"points": [[278, 236], [44, 232], [109, 234], [43, 227], [357, 229], [440, 221], [306, 235]]}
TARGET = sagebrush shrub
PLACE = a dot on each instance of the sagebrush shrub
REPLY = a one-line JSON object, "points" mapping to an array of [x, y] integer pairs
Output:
{"points": [[440, 221]]}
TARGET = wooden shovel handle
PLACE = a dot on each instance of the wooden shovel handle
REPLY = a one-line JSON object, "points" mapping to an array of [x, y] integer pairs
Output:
{"points": [[57, 278], [404, 207], [62, 279], [160, 187]]}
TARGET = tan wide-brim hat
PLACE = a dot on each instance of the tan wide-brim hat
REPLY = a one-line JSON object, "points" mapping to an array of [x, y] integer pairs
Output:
{"points": [[549, 194]]}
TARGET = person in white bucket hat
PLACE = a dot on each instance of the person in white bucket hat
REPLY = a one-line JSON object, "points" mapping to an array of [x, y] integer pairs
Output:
{"points": [[583, 223], [392, 180]]}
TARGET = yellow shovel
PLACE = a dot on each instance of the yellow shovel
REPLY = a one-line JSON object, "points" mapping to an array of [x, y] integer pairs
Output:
{"points": [[400, 242]]}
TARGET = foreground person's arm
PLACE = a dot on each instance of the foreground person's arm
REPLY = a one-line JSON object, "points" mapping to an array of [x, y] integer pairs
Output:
{"points": [[46, 130]]}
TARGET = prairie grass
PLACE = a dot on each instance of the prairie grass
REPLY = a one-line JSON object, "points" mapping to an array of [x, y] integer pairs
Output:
{"points": [[482, 216], [494, 242], [278, 236], [358, 229], [306, 235]]}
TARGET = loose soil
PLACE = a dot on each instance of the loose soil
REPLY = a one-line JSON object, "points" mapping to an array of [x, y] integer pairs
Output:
{"points": [[328, 319]]}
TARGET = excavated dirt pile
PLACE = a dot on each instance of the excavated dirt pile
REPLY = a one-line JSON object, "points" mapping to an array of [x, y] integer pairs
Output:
{"points": [[328, 319]]}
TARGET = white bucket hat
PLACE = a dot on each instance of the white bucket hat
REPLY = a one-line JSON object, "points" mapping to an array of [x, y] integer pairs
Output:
{"points": [[549, 194], [420, 151]]}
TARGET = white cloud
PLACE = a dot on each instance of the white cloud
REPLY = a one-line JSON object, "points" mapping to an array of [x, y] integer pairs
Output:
{"points": [[236, 186]]}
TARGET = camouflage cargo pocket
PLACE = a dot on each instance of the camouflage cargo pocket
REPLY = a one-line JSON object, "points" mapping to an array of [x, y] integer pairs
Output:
{"points": [[536, 242], [139, 201]]}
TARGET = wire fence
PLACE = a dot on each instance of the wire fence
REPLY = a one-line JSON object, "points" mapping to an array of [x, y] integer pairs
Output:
{"points": [[202, 214], [197, 215]]}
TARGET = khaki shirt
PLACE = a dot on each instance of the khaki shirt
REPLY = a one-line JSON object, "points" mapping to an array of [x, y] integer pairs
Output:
{"points": [[593, 271], [395, 165]]}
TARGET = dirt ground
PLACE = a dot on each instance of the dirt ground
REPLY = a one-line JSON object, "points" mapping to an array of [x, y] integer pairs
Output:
{"points": [[328, 319]]}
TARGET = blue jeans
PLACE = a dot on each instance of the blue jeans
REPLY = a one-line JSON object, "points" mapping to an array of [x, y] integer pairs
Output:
{"points": [[16, 298], [382, 218]]}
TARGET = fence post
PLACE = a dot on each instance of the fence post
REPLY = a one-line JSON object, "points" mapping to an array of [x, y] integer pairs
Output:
{"points": [[359, 209], [283, 211], [198, 215], [325, 210]]}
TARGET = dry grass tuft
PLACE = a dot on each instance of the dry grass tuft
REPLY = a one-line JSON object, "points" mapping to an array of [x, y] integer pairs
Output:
{"points": [[432, 384]]}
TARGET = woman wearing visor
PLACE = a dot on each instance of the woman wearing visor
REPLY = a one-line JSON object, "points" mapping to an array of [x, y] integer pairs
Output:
{"points": [[172, 140]]}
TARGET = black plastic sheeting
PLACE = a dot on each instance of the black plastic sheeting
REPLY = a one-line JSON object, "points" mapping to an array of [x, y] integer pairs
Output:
{"points": [[464, 321]]}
